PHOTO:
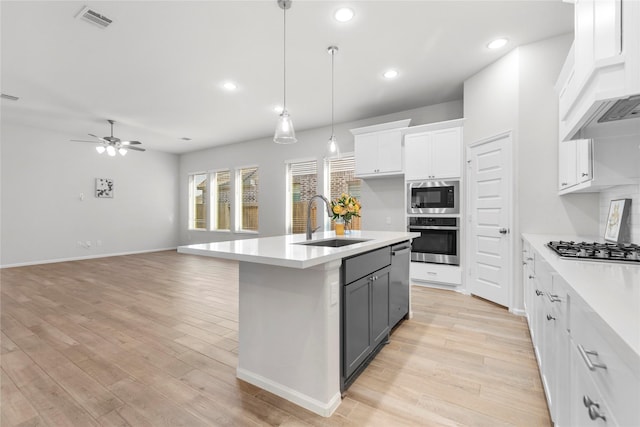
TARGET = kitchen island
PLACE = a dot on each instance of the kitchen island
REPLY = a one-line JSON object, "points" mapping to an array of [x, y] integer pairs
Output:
{"points": [[289, 311]]}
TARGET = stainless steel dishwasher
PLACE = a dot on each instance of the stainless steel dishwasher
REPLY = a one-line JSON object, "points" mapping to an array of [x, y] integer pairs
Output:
{"points": [[399, 282]]}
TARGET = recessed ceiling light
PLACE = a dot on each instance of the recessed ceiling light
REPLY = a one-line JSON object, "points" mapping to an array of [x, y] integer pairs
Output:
{"points": [[344, 14], [390, 74], [497, 43], [230, 86]]}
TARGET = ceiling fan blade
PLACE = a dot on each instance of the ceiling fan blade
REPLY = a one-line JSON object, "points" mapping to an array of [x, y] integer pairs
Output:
{"points": [[134, 148], [131, 142], [83, 140], [95, 136]]}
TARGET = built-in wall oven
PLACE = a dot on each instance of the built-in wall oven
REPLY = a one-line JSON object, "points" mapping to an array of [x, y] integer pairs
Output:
{"points": [[433, 197], [439, 240]]}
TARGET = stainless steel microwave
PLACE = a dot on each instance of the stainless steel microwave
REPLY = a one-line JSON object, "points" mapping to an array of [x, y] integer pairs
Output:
{"points": [[433, 197]]}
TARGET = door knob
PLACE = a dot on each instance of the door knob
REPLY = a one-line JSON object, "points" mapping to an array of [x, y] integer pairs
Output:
{"points": [[503, 230]]}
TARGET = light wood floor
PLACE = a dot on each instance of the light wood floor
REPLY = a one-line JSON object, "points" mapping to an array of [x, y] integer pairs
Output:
{"points": [[151, 340]]}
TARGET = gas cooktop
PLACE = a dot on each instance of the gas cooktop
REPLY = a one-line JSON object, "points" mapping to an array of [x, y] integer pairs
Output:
{"points": [[615, 252]]}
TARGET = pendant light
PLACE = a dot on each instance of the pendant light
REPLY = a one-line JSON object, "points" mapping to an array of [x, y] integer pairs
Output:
{"points": [[285, 133], [333, 150]]}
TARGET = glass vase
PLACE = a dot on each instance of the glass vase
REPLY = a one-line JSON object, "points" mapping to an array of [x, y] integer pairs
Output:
{"points": [[339, 226]]}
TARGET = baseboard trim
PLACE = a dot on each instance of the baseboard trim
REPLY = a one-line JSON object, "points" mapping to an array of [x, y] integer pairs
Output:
{"points": [[81, 258], [307, 402], [518, 311]]}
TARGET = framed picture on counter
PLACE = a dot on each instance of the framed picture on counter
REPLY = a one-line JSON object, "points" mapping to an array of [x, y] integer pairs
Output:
{"points": [[617, 227]]}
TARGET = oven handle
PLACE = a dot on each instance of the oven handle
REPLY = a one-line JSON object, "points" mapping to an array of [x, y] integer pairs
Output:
{"points": [[428, 227]]}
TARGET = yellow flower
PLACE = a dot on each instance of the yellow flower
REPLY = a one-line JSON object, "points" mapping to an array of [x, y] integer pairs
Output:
{"points": [[337, 209], [357, 207], [351, 208]]}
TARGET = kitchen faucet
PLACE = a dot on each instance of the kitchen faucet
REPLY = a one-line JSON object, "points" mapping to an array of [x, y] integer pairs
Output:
{"points": [[329, 213]]}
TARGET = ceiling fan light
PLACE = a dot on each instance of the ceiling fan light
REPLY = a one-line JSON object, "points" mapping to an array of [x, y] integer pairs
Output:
{"points": [[122, 151], [111, 151], [100, 149], [285, 134]]}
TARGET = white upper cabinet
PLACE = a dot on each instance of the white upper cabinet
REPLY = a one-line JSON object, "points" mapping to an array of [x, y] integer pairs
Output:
{"points": [[602, 67], [378, 149], [586, 165], [433, 155]]}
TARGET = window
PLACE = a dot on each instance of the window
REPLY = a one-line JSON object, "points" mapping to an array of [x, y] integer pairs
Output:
{"points": [[221, 202], [198, 194], [247, 190], [340, 179], [302, 184]]}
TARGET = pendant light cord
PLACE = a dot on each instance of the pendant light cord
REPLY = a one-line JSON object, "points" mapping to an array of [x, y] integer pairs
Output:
{"points": [[284, 61], [333, 54]]}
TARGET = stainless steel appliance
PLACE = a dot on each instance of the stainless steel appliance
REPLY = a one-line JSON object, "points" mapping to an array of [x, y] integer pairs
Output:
{"points": [[399, 282], [439, 240], [433, 197], [616, 252]]}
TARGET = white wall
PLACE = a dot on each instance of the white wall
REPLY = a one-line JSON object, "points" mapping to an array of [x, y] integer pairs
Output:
{"points": [[540, 209], [622, 192], [43, 218], [381, 198], [517, 93]]}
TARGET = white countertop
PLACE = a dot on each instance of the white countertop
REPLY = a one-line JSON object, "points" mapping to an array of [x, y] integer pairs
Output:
{"points": [[611, 289], [285, 252]]}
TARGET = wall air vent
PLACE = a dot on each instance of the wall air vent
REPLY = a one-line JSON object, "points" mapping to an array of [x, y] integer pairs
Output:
{"points": [[93, 17], [9, 97]]}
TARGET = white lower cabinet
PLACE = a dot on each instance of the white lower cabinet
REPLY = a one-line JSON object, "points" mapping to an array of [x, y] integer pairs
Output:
{"points": [[586, 377]]}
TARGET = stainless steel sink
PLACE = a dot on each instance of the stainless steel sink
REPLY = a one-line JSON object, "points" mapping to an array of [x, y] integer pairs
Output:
{"points": [[333, 243]]}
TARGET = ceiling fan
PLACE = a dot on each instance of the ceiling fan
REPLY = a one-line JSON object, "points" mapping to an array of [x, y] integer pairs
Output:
{"points": [[111, 144]]}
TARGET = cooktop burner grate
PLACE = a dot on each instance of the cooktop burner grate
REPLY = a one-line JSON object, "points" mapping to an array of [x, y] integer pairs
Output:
{"points": [[616, 252]]}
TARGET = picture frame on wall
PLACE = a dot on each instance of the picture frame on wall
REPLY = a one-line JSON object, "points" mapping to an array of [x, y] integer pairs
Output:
{"points": [[617, 226], [104, 188]]}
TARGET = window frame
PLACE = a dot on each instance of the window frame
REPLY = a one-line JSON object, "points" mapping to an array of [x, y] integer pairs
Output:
{"points": [[191, 197], [288, 182], [327, 179], [213, 200], [238, 203]]}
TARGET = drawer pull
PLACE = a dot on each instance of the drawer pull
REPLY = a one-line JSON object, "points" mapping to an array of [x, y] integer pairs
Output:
{"points": [[553, 298], [531, 276], [587, 401], [550, 317], [539, 292], [594, 412], [585, 356]]}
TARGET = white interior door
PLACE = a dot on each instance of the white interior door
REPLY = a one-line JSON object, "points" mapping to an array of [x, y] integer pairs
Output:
{"points": [[489, 219]]}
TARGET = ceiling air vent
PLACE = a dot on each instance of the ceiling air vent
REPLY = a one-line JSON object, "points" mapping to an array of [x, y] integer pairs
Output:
{"points": [[94, 17], [9, 97]]}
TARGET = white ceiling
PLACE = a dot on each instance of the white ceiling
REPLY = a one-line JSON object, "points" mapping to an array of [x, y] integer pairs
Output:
{"points": [[159, 67]]}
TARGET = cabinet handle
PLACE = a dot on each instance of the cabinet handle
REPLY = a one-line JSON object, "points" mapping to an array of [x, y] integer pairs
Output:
{"points": [[585, 356], [554, 298], [538, 292], [529, 259], [594, 408], [550, 317], [584, 174], [564, 184], [524, 263], [594, 412], [531, 276]]}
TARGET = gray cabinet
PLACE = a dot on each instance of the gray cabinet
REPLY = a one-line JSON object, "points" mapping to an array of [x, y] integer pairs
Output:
{"points": [[365, 309]]}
